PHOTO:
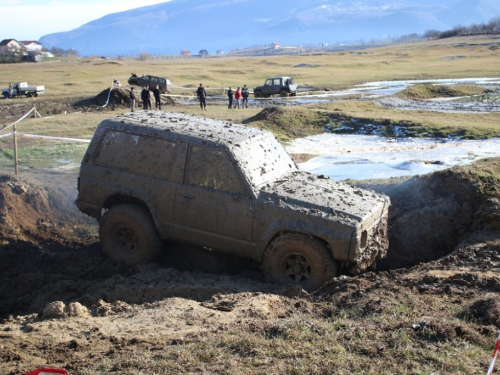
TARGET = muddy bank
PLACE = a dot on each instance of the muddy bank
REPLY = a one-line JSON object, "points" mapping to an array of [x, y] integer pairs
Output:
{"points": [[51, 251]]}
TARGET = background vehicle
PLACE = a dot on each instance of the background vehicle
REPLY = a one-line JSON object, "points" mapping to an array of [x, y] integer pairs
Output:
{"points": [[282, 86], [27, 90], [147, 177], [151, 81]]}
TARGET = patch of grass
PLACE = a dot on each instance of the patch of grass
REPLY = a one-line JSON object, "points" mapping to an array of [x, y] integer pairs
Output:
{"points": [[357, 114], [429, 91]]}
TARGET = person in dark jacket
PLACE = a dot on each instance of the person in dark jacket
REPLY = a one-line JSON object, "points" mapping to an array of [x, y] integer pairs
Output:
{"points": [[230, 97], [244, 96], [146, 98], [19, 90], [157, 95], [202, 96], [132, 99]]}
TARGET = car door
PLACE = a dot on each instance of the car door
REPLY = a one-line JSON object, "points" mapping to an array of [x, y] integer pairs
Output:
{"points": [[267, 89], [213, 207]]}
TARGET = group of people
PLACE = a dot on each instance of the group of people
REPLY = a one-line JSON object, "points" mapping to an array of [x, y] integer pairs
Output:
{"points": [[239, 94], [18, 89], [233, 96], [146, 97]]}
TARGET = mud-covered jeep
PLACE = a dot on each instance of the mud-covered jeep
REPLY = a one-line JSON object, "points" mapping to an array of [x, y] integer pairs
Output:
{"points": [[153, 176]]}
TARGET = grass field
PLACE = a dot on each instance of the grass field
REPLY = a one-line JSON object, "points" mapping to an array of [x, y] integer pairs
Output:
{"points": [[424, 60]]}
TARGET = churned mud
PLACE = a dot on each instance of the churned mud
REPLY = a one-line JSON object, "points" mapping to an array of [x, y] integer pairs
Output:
{"points": [[64, 303]]}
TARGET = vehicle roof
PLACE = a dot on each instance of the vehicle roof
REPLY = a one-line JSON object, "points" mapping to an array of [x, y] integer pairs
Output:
{"points": [[178, 126]]}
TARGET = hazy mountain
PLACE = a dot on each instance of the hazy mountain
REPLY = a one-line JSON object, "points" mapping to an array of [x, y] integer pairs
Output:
{"points": [[170, 27]]}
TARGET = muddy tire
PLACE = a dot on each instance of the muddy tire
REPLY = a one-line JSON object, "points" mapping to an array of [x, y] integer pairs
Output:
{"points": [[284, 94], [128, 234], [258, 94], [297, 259]]}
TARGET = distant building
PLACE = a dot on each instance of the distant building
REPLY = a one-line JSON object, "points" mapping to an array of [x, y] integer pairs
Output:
{"points": [[275, 45], [32, 45], [203, 53], [11, 47], [220, 52], [185, 53]]}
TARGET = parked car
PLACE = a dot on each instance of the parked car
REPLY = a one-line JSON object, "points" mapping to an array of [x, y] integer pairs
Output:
{"points": [[27, 90], [147, 177], [282, 86], [151, 81]]}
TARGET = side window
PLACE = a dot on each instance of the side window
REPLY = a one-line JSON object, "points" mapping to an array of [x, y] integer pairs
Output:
{"points": [[212, 168], [154, 80], [277, 82], [269, 82], [137, 154]]}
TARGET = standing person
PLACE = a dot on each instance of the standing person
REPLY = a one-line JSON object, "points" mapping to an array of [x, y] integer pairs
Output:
{"points": [[202, 96], [19, 89], [145, 97], [230, 97], [157, 95], [11, 89], [132, 99], [244, 94], [237, 97]]}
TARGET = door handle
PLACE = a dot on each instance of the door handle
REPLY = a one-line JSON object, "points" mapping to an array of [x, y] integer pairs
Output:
{"points": [[187, 197]]}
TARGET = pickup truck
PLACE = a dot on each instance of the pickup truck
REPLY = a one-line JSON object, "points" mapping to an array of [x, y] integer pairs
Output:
{"points": [[282, 86], [25, 89]]}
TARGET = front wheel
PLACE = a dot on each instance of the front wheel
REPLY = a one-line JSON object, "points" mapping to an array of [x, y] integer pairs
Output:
{"points": [[128, 234], [301, 260]]}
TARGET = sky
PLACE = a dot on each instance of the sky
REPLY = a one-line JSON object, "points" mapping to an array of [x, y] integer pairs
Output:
{"points": [[51, 16]]}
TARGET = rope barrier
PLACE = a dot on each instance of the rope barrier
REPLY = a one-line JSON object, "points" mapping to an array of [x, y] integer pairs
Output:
{"points": [[22, 118], [109, 95], [495, 353]]}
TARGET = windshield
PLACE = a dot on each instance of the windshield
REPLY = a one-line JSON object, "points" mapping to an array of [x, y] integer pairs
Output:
{"points": [[264, 160]]}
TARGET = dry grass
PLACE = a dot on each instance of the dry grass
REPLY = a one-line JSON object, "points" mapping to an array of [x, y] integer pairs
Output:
{"points": [[428, 59]]}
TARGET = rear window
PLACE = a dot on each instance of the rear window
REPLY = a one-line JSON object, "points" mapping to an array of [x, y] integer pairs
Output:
{"points": [[137, 154]]}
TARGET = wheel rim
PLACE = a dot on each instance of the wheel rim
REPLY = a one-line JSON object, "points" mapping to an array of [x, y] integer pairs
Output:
{"points": [[126, 239], [296, 268]]}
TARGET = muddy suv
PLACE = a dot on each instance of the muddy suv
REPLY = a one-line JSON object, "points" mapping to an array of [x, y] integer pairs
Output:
{"points": [[148, 176], [282, 86], [151, 81]]}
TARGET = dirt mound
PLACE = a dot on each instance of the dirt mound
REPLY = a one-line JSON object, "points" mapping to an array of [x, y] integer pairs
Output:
{"points": [[291, 122], [429, 91], [430, 215], [117, 97], [485, 311], [36, 214]]}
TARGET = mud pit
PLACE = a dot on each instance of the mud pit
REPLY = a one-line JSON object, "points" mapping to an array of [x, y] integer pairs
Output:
{"points": [[64, 304]]}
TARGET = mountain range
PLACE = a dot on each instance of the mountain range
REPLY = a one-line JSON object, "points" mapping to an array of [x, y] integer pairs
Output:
{"points": [[167, 28]]}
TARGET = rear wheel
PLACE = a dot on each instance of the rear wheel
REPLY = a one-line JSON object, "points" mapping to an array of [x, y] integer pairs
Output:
{"points": [[28, 94], [258, 94], [284, 93], [301, 260], [128, 234]]}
